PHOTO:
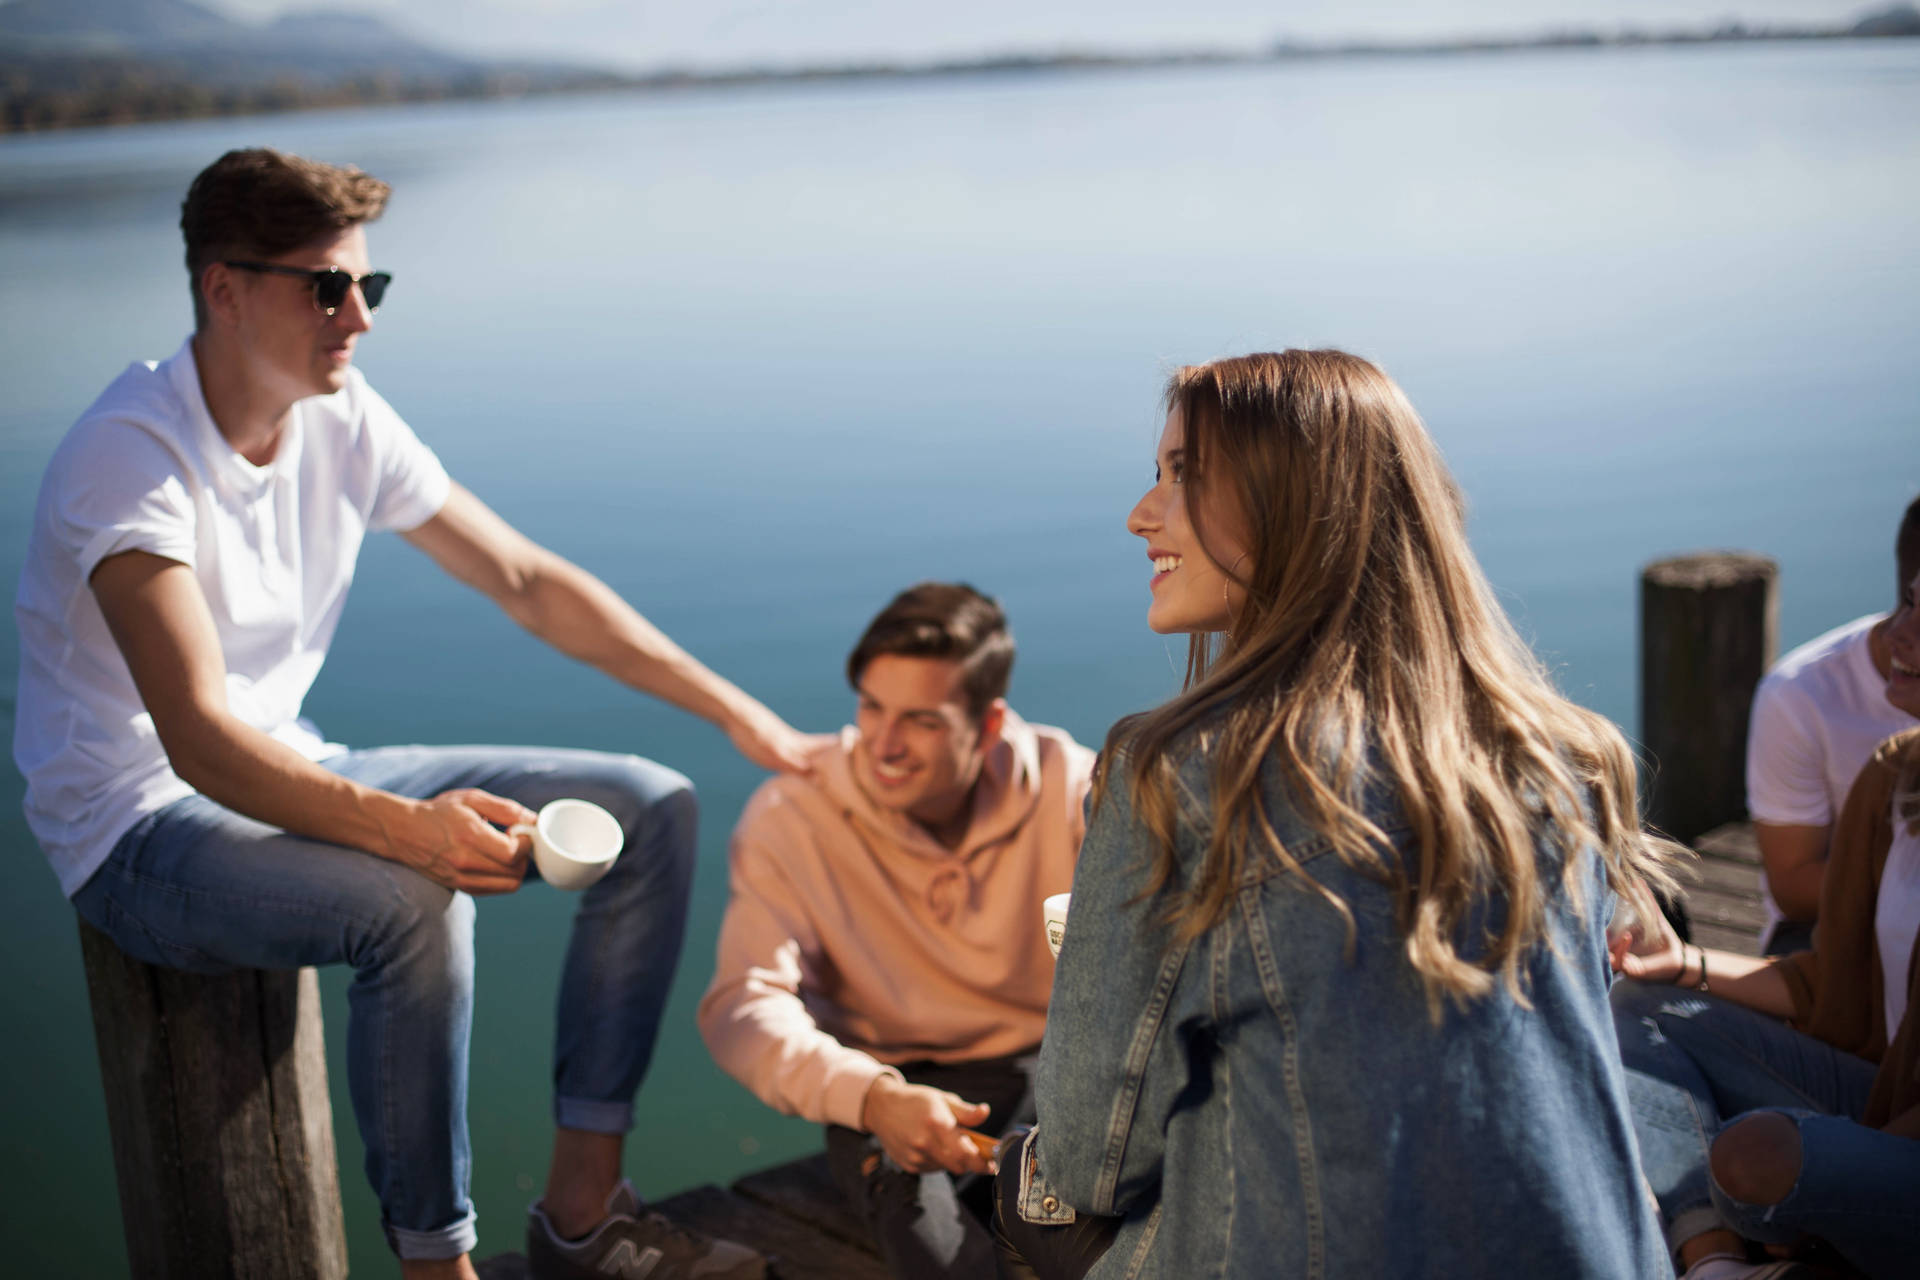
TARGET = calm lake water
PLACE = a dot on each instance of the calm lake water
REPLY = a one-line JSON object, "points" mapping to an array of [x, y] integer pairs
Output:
{"points": [[761, 358]]}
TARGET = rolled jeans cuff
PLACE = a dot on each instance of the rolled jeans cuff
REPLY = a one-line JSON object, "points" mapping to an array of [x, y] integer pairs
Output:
{"points": [[1688, 1223], [447, 1242], [593, 1115]]}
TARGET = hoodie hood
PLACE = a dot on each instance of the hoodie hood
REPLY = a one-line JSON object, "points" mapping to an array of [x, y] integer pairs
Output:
{"points": [[1004, 798]]}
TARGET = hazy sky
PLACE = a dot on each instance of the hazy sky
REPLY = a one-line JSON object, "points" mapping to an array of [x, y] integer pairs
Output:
{"points": [[735, 32]]}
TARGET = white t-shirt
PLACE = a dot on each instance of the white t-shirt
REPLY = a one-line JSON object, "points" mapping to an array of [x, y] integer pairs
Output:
{"points": [[145, 469], [1817, 716], [1896, 920]]}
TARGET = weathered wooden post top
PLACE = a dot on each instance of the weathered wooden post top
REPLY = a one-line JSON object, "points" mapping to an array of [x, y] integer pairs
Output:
{"points": [[216, 1090], [1708, 626]]}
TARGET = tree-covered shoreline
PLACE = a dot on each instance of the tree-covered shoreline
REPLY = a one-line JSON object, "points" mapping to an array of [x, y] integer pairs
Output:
{"points": [[47, 83]]}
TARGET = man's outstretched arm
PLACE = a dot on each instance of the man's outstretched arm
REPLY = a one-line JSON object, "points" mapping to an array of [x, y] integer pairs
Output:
{"points": [[159, 619], [760, 1031], [583, 618]]}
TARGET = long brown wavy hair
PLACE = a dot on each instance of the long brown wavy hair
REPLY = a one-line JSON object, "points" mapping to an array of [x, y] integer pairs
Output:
{"points": [[1369, 630]]}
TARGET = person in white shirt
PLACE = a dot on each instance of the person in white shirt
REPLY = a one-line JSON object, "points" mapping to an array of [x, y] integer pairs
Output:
{"points": [[1817, 717], [190, 554]]}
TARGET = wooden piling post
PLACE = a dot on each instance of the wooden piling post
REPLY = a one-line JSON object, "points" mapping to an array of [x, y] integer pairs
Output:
{"points": [[1708, 626], [216, 1091]]}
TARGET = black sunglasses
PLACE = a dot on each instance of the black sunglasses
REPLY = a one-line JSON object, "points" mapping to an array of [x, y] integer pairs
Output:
{"points": [[330, 284]]}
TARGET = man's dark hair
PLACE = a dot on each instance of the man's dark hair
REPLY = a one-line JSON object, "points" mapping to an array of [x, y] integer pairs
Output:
{"points": [[1906, 547], [946, 620], [260, 203]]}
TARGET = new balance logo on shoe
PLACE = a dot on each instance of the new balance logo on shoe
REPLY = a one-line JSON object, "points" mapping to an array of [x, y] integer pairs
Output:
{"points": [[629, 1263], [632, 1244]]}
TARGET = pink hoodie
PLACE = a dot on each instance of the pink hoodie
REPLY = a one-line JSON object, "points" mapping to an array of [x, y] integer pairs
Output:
{"points": [[855, 940]]}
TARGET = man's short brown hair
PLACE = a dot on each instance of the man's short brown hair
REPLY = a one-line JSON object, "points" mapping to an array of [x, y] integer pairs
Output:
{"points": [[946, 620], [261, 203]]}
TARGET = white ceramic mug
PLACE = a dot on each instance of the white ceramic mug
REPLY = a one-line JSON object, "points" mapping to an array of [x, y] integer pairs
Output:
{"points": [[1054, 912], [574, 842]]}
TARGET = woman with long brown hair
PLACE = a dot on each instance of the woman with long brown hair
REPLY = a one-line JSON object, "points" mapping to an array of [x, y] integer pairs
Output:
{"points": [[1332, 997]]}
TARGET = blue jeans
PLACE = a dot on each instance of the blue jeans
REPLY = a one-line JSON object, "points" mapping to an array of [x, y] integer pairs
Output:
{"points": [[199, 887], [1695, 1062]]}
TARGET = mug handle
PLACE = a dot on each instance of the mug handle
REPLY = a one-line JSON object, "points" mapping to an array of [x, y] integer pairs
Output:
{"points": [[527, 829]]}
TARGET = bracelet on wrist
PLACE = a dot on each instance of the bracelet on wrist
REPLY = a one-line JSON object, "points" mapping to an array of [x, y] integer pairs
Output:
{"points": [[1680, 978], [1703, 968]]}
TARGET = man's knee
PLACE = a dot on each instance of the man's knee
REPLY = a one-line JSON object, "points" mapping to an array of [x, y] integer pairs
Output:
{"points": [[642, 792], [425, 928], [666, 813], [1756, 1159]]}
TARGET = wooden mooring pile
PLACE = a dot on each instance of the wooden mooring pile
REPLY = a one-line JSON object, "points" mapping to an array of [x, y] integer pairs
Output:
{"points": [[216, 1087]]}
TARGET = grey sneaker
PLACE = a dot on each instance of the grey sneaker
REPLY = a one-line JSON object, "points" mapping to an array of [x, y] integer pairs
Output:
{"points": [[631, 1244]]}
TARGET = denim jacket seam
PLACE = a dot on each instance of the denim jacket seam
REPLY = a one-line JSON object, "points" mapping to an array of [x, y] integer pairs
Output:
{"points": [[1267, 966], [1146, 1031], [1144, 1247]]}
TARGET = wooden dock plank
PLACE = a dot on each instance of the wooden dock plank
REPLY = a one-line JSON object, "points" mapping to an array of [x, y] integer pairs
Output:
{"points": [[796, 1248], [1733, 842], [1723, 890], [1737, 879], [805, 1190]]}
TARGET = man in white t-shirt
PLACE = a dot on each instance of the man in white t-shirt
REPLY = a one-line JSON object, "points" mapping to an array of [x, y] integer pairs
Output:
{"points": [[190, 555], [1817, 716]]}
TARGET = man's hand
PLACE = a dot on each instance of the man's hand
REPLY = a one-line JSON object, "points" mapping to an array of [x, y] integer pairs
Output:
{"points": [[450, 840], [770, 742], [921, 1128]]}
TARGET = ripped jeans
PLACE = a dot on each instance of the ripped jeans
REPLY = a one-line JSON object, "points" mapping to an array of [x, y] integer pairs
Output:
{"points": [[1694, 1062]]}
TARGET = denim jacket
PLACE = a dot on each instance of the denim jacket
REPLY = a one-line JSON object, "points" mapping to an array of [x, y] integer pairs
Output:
{"points": [[1258, 1103]]}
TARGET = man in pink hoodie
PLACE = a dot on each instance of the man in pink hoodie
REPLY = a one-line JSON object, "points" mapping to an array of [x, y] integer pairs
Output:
{"points": [[883, 968]]}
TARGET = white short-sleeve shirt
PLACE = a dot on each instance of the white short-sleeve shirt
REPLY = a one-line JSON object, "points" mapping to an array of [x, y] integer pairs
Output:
{"points": [[273, 547], [1817, 717]]}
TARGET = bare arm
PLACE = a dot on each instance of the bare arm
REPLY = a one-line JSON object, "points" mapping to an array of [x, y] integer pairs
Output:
{"points": [[1653, 952], [160, 621], [1796, 862], [581, 616]]}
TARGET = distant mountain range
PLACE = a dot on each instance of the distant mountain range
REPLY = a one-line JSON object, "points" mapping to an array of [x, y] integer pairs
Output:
{"points": [[313, 45], [67, 63]]}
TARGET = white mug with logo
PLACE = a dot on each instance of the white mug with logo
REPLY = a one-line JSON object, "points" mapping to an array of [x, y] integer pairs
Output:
{"points": [[1054, 912], [574, 842]]}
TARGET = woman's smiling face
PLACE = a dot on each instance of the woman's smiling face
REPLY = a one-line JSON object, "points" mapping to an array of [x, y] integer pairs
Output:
{"points": [[1190, 590]]}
